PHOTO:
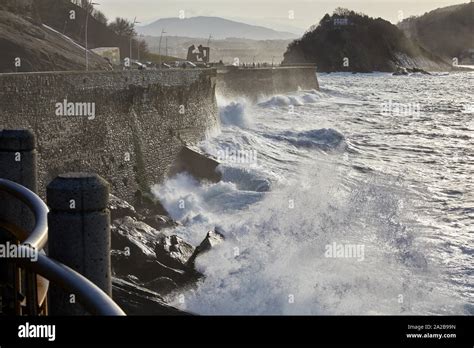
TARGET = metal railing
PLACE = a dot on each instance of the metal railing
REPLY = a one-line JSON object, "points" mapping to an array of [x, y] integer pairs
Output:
{"points": [[93, 299]]}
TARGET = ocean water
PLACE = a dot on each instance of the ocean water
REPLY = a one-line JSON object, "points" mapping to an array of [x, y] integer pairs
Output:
{"points": [[380, 167]]}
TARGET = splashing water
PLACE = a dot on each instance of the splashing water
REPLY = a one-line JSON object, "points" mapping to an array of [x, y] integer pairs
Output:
{"points": [[334, 173]]}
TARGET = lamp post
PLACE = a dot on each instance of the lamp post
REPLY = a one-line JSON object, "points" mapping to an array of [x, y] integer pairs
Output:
{"points": [[89, 4], [131, 37], [159, 45], [138, 47], [209, 46]]}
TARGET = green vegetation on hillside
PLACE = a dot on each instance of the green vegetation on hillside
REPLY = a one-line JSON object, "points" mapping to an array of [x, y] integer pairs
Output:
{"points": [[448, 32], [27, 44], [350, 41]]}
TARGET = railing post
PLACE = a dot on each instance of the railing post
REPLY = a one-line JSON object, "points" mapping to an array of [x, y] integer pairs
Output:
{"points": [[79, 234], [17, 164]]}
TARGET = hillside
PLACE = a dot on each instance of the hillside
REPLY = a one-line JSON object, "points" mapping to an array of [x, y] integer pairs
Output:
{"points": [[369, 44], [39, 48], [448, 31], [99, 34], [220, 28]]}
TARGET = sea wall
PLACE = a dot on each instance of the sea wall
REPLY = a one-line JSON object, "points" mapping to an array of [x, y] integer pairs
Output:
{"points": [[139, 124], [254, 83]]}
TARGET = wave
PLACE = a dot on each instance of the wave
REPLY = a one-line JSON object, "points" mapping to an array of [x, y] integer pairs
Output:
{"points": [[324, 139], [280, 213], [234, 114], [274, 260], [300, 99]]}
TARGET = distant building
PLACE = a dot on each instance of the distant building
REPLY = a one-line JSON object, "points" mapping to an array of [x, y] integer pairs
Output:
{"points": [[112, 54], [338, 22]]}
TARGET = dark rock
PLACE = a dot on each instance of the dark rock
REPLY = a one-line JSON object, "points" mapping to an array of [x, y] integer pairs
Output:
{"points": [[134, 251], [143, 257], [136, 300], [401, 71], [162, 285], [135, 235], [133, 247], [160, 222], [212, 239], [153, 269], [133, 279], [145, 270], [196, 163], [174, 252], [418, 70], [120, 209]]}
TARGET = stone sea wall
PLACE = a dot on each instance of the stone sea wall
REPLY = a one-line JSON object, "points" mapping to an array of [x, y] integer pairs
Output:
{"points": [[127, 126], [261, 82]]}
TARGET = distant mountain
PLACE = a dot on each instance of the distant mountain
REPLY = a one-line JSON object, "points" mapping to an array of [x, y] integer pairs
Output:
{"points": [[220, 28], [447, 31], [246, 50], [349, 41]]}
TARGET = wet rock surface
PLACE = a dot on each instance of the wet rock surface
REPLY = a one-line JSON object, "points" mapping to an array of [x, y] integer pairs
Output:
{"points": [[174, 252], [212, 239], [120, 208], [138, 300], [401, 71], [148, 262]]}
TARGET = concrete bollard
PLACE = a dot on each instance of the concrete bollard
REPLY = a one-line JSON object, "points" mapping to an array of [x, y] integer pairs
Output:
{"points": [[18, 164], [79, 234]]}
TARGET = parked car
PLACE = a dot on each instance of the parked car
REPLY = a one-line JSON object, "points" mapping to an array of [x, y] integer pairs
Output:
{"points": [[185, 64], [135, 64], [188, 64]]}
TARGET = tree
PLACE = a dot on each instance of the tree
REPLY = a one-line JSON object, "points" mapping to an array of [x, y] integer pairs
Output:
{"points": [[143, 46], [86, 5], [100, 17], [342, 12], [123, 27]]}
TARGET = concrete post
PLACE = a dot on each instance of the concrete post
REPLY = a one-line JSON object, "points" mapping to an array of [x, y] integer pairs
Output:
{"points": [[79, 234], [17, 164]]}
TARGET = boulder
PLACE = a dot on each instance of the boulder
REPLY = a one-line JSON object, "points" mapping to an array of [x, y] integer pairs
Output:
{"points": [[418, 70], [212, 239], [173, 252], [162, 285], [160, 222], [135, 235], [197, 163], [400, 71], [120, 209], [141, 271], [136, 300]]}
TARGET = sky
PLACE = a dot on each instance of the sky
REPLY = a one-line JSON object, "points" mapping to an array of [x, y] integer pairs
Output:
{"points": [[290, 15]]}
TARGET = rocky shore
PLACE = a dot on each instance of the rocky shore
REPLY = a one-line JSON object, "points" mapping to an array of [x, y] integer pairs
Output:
{"points": [[149, 262]]}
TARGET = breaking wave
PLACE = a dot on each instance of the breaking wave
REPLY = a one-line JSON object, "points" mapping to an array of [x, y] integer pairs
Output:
{"points": [[310, 188]]}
